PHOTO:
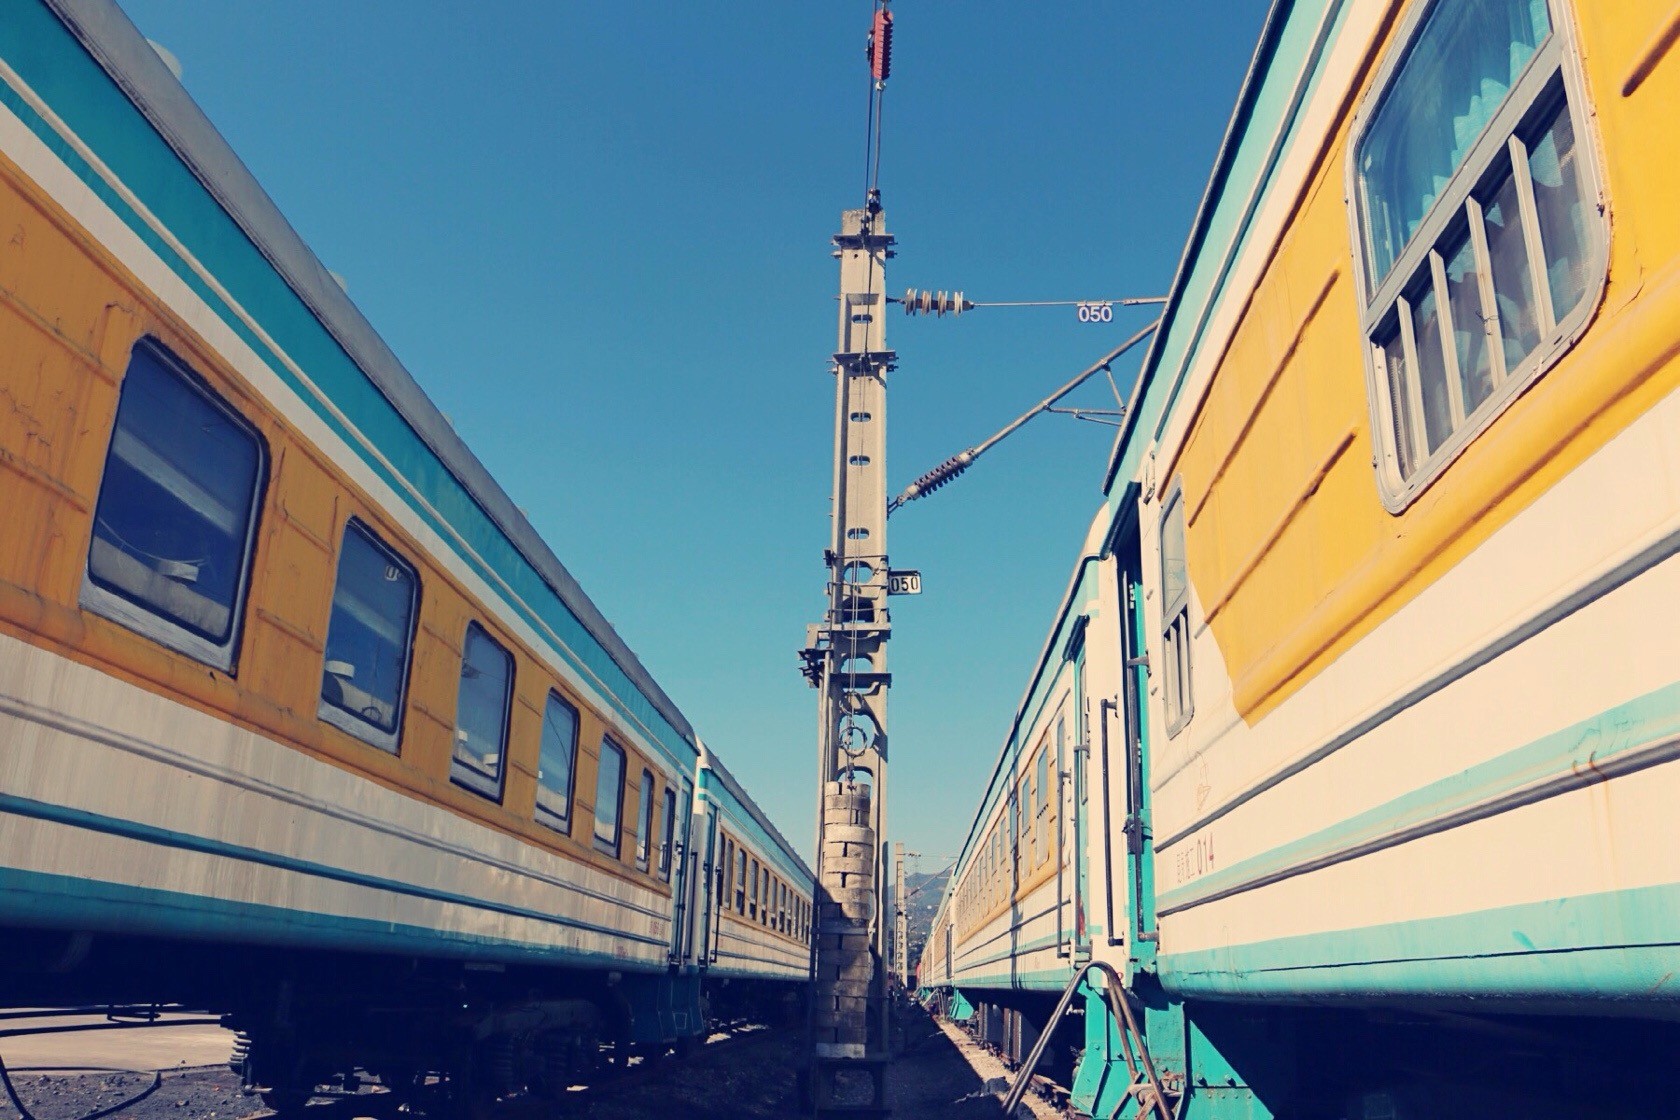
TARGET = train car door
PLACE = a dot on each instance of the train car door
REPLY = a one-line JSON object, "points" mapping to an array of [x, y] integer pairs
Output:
{"points": [[1139, 839], [1078, 806], [706, 886], [682, 935]]}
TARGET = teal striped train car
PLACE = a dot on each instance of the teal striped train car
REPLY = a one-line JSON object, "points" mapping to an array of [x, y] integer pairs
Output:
{"points": [[1372, 702], [301, 719]]}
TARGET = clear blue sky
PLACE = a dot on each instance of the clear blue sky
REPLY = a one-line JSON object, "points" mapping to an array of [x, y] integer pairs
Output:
{"points": [[597, 234]]}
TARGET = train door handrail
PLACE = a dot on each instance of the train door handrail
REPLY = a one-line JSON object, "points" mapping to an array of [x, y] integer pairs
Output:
{"points": [[1117, 997]]}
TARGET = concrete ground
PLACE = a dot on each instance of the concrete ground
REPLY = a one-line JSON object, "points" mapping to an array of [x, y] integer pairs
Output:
{"points": [[941, 1075], [137, 1048]]}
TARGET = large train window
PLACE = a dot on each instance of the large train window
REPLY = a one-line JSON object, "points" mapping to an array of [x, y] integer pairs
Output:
{"points": [[752, 895], [740, 881], [1478, 227], [481, 714], [556, 764], [644, 820], [609, 796], [1175, 615], [173, 528], [370, 632], [667, 832]]}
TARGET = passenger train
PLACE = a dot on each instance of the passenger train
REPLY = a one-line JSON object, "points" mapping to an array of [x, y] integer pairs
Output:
{"points": [[1345, 783], [300, 719]]}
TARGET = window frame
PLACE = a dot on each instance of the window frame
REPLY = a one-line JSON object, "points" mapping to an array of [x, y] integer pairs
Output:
{"points": [[461, 775], [341, 718], [667, 843], [1551, 75], [726, 850], [752, 894], [548, 818], [131, 615], [740, 880], [614, 845], [1178, 694], [645, 792], [1041, 822]]}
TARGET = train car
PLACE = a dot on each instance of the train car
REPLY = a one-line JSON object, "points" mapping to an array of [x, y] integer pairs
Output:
{"points": [[1016, 919], [758, 905], [300, 719], [1384, 734]]}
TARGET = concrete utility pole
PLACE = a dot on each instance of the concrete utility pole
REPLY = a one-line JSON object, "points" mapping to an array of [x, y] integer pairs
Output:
{"points": [[846, 658]]}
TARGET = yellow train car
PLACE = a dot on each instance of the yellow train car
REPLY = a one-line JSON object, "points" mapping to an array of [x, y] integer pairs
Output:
{"points": [[302, 721], [1383, 698]]}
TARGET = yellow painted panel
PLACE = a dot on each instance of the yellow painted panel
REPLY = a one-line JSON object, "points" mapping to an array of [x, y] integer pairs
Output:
{"points": [[69, 318], [1344, 563]]}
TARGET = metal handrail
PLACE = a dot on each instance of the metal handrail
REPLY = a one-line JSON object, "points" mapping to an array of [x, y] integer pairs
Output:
{"points": [[1116, 991]]}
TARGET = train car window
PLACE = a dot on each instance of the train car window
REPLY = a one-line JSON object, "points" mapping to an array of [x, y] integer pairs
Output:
{"points": [[1023, 838], [609, 796], [173, 527], [1175, 615], [1478, 228], [725, 865], [644, 821], [370, 633], [668, 821], [752, 895], [481, 714], [1042, 843], [557, 764], [740, 881]]}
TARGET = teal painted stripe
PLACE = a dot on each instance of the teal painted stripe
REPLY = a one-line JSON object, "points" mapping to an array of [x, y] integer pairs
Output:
{"points": [[1640, 733], [1036, 944], [50, 60], [1281, 103], [34, 899], [1619, 945], [1204, 274], [748, 974], [170, 838], [1047, 980]]}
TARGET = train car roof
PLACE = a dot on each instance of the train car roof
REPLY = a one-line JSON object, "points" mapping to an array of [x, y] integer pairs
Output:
{"points": [[1295, 45], [772, 836], [1068, 626], [138, 72]]}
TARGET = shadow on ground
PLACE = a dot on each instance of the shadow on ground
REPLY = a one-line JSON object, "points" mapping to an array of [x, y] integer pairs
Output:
{"points": [[745, 1077]]}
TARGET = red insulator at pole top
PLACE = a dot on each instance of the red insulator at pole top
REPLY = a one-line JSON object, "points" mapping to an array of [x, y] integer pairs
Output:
{"points": [[880, 45]]}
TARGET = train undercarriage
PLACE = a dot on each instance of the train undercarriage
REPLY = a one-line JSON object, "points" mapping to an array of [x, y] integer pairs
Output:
{"points": [[442, 1037]]}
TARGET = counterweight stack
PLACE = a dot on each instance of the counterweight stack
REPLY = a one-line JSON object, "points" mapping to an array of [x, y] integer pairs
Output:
{"points": [[845, 953]]}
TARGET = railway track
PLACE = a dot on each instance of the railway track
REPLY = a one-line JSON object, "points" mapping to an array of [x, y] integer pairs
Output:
{"points": [[743, 1071]]}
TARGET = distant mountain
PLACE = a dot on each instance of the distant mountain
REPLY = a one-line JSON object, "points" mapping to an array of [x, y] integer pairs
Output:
{"points": [[922, 894]]}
